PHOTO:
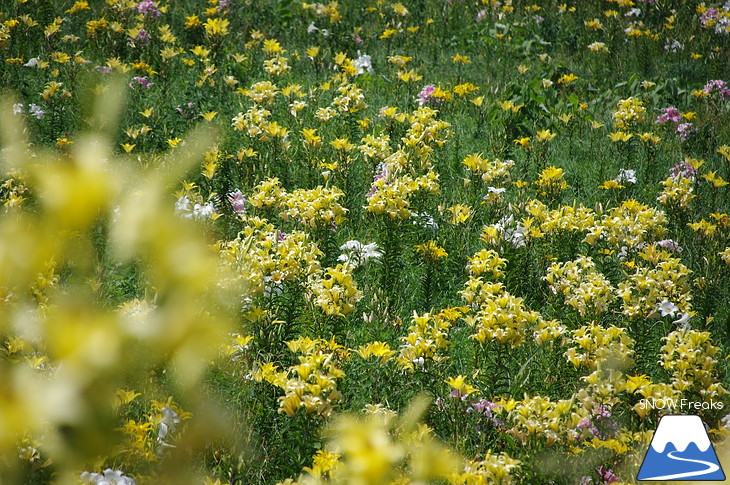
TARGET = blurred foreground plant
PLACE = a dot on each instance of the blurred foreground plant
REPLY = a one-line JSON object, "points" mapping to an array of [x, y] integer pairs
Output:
{"points": [[381, 447], [66, 347]]}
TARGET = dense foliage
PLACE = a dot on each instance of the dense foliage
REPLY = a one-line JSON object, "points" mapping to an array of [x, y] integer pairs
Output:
{"points": [[363, 242]]}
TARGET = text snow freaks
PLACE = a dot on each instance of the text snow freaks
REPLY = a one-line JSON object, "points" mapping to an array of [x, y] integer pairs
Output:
{"points": [[682, 404]]}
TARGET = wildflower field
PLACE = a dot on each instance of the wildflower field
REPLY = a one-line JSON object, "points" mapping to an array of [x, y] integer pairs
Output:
{"points": [[362, 242]]}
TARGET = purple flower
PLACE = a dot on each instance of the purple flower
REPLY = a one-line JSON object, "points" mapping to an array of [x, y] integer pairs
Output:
{"points": [[720, 86], [223, 6], [142, 37], [148, 7], [599, 424], [426, 95], [684, 169], [607, 475], [484, 408], [716, 19], [670, 114], [603, 411], [378, 175], [669, 245], [188, 110], [587, 424], [141, 81], [709, 16], [684, 130], [238, 202], [104, 69]]}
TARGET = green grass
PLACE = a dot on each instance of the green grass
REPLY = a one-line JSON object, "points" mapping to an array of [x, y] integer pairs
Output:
{"points": [[513, 56]]}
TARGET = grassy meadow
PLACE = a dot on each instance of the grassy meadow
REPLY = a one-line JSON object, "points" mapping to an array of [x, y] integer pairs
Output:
{"points": [[360, 242]]}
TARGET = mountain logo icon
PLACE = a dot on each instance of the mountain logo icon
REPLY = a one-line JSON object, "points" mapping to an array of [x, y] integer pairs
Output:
{"points": [[680, 450]]}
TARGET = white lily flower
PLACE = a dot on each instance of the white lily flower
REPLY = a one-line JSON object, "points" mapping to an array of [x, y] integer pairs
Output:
{"points": [[666, 307], [683, 321]]}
